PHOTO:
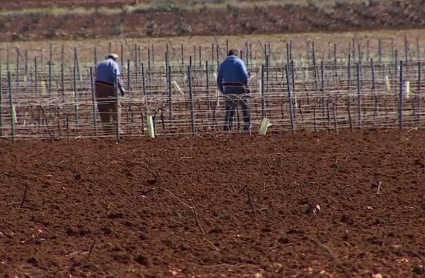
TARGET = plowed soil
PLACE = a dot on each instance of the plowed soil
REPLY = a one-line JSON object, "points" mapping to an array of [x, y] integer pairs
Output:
{"points": [[34, 4], [232, 206], [213, 21]]}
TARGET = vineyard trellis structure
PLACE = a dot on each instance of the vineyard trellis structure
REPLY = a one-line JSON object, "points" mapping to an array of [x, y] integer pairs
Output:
{"points": [[56, 100]]}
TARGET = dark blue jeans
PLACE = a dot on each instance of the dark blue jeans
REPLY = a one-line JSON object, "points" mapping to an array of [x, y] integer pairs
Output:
{"points": [[236, 96]]}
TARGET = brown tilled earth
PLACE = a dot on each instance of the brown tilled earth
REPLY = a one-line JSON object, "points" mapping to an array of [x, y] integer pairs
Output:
{"points": [[233, 20], [34, 4], [304, 205], [220, 206]]}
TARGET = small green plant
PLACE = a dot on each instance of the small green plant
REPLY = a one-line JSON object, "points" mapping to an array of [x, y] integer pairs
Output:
{"points": [[119, 27], [150, 28], [182, 27], [165, 6]]}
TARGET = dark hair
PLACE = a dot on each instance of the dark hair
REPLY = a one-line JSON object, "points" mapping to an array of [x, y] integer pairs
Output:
{"points": [[112, 56], [232, 52]]}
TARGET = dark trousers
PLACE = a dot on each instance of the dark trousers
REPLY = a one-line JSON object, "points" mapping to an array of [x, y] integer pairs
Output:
{"points": [[235, 96], [107, 106]]}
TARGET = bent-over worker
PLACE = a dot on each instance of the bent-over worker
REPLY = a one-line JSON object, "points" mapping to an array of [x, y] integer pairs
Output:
{"points": [[232, 79], [106, 72]]}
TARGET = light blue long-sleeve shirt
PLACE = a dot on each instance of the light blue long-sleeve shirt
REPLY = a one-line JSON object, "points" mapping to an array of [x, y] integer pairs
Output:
{"points": [[105, 71], [232, 69]]}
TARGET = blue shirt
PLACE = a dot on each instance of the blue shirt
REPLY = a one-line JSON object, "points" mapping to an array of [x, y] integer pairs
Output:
{"points": [[232, 69], [105, 71]]}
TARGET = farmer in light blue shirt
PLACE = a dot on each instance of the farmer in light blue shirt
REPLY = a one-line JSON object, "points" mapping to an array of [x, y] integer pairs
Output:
{"points": [[232, 79], [106, 72]]}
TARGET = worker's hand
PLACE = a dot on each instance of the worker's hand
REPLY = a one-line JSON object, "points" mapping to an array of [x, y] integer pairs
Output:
{"points": [[123, 92]]}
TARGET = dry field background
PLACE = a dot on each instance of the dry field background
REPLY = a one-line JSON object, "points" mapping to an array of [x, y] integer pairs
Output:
{"points": [[64, 51], [159, 19]]}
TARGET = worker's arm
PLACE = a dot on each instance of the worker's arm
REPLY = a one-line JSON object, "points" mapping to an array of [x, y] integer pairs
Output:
{"points": [[116, 69], [243, 72], [220, 78], [120, 86]]}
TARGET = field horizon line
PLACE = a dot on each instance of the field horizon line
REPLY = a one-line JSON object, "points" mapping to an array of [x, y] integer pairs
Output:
{"points": [[148, 7], [137, 8]]}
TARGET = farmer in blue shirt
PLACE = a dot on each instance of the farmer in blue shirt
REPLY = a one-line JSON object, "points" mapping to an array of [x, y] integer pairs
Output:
{"points": [[232, 79], [105, 92]]}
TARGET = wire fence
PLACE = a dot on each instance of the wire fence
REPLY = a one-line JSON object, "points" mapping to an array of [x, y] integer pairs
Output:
{"points": [[25, 58], [57, 100]]}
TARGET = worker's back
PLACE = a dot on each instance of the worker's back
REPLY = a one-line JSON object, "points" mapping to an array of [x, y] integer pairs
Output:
{"points": [[232, 76], [232, 79], [105, 71], [233, 70]]}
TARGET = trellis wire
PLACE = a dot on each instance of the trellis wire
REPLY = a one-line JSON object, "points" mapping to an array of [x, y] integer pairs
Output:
{"points": [[286, 91]]}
